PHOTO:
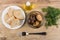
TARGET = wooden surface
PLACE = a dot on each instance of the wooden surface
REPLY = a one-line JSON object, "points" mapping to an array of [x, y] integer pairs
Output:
{"points": [[53, 33]]}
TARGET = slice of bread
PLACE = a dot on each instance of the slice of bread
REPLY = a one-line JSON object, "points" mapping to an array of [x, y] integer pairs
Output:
{"points": [[6, 18], [18, 14], [10, 12], [9, 20], [15, 22]]}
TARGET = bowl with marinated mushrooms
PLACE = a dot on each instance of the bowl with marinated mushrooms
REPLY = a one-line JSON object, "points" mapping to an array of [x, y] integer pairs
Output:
{"points": [[13, 17], [35, 19]]}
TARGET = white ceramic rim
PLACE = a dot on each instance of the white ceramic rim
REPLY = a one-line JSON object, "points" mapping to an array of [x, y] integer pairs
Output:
{"points": [[4, 13]]}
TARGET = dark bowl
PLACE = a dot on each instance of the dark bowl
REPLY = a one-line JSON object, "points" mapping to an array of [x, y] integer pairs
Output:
{"points": [[40, 24]]}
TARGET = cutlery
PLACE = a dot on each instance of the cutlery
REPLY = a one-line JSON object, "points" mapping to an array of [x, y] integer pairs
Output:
{"points": [[26, 33]]}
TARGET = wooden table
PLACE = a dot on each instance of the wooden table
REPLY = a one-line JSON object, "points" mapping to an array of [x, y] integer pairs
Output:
{"points": [[53, 33]]}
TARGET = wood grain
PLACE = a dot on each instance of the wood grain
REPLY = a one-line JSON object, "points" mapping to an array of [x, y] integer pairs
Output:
{"points": [[53, 33]]}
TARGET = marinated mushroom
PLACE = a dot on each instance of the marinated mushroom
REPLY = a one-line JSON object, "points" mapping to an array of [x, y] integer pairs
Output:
{"points": [[39, 17]]}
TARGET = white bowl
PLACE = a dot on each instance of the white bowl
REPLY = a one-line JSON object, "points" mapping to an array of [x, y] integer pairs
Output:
{"points": [[5, 12]]}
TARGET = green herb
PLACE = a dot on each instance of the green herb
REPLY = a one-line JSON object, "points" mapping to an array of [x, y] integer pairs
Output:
{"points": [[52, 15]]}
